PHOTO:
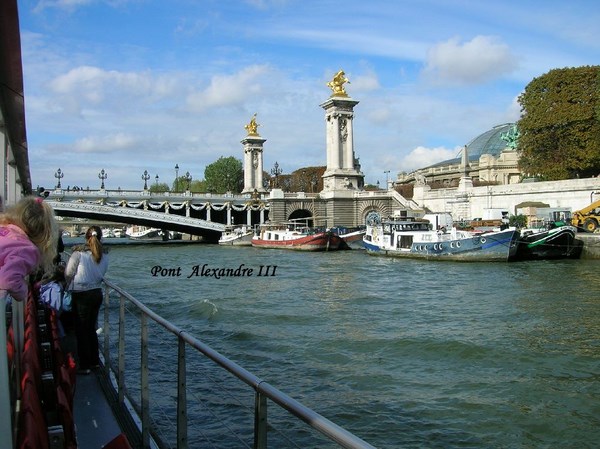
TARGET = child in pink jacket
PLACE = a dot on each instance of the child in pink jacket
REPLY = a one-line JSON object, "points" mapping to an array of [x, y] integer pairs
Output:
{"points": [[28, 240]]}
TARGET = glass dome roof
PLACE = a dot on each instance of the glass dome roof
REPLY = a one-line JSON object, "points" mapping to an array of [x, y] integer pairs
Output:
{"points": [[490, 142]]}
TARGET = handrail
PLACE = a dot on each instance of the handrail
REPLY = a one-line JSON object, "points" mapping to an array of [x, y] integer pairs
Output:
{"points": [[263, 390]]}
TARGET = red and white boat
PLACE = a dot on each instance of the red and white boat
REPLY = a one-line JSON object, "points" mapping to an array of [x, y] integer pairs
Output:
{"points": [[302, 239]]}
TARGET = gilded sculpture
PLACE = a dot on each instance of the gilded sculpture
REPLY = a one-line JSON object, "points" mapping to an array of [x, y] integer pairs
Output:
{"points": [[337, 84], [252, 127]]}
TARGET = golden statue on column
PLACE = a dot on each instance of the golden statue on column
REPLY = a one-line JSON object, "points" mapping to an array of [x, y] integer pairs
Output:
{"points": [[337, 84], [252, 127]]}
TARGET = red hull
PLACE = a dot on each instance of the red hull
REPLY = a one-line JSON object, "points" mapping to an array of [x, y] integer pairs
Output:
{"points": [[323, 241]]}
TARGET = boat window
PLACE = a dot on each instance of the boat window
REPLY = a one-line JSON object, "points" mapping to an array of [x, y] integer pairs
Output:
{"points": [[405, 241]]}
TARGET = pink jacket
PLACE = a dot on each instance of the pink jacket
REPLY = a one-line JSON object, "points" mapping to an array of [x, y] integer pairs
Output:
{"points": [[18, 258]]}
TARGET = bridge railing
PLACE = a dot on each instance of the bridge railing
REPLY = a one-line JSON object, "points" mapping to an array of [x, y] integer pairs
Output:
{"points": [[141, 194], [121, 366]]}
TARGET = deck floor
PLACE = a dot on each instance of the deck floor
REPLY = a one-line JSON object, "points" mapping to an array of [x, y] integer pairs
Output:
{"points": [[95, 422]]}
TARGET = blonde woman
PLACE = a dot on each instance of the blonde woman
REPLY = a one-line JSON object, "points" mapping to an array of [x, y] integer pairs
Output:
{"points": [[28, 241]]}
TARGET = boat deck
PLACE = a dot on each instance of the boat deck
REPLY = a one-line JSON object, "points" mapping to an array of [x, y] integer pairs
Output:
{"points": [[94, 420]]}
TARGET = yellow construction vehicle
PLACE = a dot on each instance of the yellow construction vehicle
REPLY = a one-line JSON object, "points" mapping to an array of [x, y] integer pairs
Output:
{"points": [[588, 218]]}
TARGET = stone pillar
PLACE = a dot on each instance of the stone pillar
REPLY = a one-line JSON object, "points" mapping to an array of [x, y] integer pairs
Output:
{"points": [[253, 159], [341, 173]]}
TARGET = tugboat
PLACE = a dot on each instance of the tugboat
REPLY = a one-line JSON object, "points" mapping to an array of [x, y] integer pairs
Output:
{"points": [[556, 240]]}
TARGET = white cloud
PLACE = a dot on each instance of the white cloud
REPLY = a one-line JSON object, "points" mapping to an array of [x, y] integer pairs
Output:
{"points": [[106, 144], [226, 90], [423, 157], [481, 59], [86, 87], [365, 83], [61, 4]]}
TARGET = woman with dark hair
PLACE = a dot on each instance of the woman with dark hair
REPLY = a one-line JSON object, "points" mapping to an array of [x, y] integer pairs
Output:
{"points": [[86, 268]]}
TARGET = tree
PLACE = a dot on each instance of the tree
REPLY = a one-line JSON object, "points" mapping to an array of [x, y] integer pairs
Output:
{"points": [[198, 186], [519, 221], [160, 187], [560, 124], [224, 175]]}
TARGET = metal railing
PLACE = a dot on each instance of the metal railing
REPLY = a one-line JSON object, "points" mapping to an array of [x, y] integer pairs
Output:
{"points": [[263, 391]]}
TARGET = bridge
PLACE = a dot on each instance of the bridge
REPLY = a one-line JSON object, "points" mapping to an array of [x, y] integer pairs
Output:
{"points": [[205, 215]]}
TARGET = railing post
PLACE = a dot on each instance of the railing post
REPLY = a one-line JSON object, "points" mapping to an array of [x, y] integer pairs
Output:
{"points": [[121, 373], [106, 330], [260, 421], [5, 406], [145, 390], [182, 423]]}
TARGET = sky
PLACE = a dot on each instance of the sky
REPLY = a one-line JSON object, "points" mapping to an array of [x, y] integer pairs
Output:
{"points": [[134, 86]]}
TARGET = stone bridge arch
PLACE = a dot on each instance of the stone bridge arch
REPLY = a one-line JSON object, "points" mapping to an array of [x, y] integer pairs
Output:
{"points": [[301, 209], [383, 208]]}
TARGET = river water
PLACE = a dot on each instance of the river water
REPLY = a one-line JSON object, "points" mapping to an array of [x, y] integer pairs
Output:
{"points": [[402, 353]]}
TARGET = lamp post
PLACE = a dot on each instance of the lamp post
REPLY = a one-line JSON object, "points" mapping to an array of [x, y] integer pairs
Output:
{"points": [[145, 177], [102, 175], [276, 171], [387, 172], [188, 179], [176, 178], [156, 180], [59, 174]]}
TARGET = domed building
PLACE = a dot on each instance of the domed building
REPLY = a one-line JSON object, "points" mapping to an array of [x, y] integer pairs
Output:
{"points": [[491, 158]]}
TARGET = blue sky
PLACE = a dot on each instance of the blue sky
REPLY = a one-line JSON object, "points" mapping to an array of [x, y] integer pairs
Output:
{"points": [[134, 85]]}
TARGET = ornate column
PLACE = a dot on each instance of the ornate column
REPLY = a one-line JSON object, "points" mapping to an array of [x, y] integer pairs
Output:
{"points": [[342, 173], [253, 158]]}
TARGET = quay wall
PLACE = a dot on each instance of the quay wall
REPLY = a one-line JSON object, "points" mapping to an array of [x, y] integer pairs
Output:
{"points": [[470, 202], [591, 245]]}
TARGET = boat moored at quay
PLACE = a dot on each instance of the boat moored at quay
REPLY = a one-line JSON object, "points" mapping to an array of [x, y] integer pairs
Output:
{"points": [[300, 238], [415, 238], [556, 240], [237, 236]]}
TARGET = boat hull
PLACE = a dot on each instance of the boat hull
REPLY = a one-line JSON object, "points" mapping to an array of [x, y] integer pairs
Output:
{"points": [[236, 240], [558, 243], [493, 246], [324, 241]]}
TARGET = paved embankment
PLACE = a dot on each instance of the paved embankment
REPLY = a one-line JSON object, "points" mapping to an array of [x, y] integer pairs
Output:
{"points": [[591, 245]]}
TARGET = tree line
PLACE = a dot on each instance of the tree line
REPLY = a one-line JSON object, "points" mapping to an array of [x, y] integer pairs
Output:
{"points": [[559, 128]]}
